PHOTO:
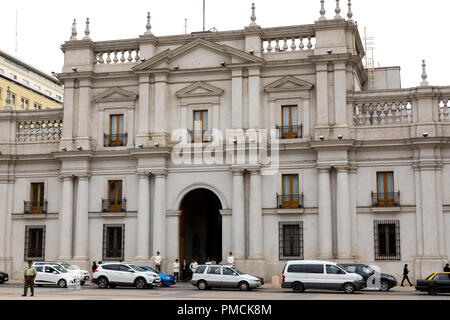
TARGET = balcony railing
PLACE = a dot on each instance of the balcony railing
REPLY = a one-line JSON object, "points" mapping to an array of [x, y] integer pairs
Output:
{"points": [[385, 200], [290, 132], [31, 207], [114, 205], [116, 140], [200, 136], [290, 201]]}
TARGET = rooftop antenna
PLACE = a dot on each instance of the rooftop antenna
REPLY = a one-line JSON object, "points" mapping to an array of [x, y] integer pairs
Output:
{"points": [[370, 60], [204, 15]]}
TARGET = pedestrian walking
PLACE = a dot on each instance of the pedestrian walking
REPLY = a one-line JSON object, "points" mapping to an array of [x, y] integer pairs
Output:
{"points": [[405, 275], [447, 268], [158, 260], [94, 266], [184, 271], [29, 277], [230, 259], [193, 266], [176, 269]]}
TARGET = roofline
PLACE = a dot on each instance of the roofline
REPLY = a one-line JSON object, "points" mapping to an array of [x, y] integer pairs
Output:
{"points": [[28, 66]]}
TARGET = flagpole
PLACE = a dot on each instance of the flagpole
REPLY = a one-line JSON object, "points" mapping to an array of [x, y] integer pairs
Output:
{"points": [[204, 8]]}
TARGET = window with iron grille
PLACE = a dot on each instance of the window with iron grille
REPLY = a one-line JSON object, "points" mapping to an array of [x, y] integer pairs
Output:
{"points": [[113, 242], [34, 243], [291, 240], [387, 240]]}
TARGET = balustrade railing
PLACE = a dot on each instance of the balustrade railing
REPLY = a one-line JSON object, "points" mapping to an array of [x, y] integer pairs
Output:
{"points": [[290, 132], [288, 44], [39, 130], [39, 207], [290, 201], [382, 113], [385, 200], [114, 205], [444, 108], [119, 56]]}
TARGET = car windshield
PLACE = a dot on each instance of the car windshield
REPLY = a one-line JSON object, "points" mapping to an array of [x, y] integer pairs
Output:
{"points": [[341, 267], [368, 269], [59, 269], [67, 266], [237, 271], [136, 268], [150, 269], [430, 276]]}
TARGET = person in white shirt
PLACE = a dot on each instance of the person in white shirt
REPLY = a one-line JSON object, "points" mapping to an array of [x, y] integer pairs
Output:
{"points": [[193, 266], [230, 259], [158, 260], [176, 269], [208, 262]]}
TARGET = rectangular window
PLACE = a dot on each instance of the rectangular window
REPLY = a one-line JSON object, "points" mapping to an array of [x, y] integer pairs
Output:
{"points": [[37, 106], [115, 196], [38, 88], [13, 99], [113, 242], [48, 93], [200, 125], [34, 243], [26, 82], [291, 240], [289, 119], [291, 196], [13, 76], [387, 240], [25, 103], [37, 198], [116, 130], [385, 189], [58, 97]]}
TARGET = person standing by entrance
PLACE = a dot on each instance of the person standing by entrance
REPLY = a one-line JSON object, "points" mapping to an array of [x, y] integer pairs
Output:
{"points": [[447, 268], [405, 275], [29, 277], [176, 269], [230, 259], [184, 271], [193, 266], [94, 267], [158, 260]]}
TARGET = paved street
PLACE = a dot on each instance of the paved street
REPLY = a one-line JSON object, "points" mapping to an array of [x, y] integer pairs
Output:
{"points": [[13, 290]]}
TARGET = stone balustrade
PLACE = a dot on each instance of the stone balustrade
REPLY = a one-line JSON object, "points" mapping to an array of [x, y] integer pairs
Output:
{"points": [[285, 44], [117, 56], [383, 113], [444, 108], [39, 130]]}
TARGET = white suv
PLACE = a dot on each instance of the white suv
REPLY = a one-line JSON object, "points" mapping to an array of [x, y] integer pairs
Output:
{"points": [[302, 275], [124, 274], [52, 274], [82, 274]]}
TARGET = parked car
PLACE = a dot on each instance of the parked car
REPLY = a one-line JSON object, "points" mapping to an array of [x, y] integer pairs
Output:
{"points": [[3, 277], [167, 279], [438, 282], [83, 274], [124, 274], [219, 276], [302, 275], [386, 282], [53, 274]]}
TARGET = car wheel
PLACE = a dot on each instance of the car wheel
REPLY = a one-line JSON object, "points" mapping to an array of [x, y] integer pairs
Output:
{"points": [[349, 288], [62, 283], [202, 285], [384, 287], [298, 287], [432, 291], [103, 283], [244, 286], [140, 283]]}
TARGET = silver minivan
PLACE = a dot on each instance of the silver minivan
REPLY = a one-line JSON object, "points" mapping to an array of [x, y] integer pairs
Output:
{"points": [[302, 275], [219, 276]]}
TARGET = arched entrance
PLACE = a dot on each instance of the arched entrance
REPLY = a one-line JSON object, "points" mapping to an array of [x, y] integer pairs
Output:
{"points": [[201, 227]]}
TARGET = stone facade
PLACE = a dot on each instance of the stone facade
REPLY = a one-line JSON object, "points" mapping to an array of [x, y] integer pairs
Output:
{"points": [[345, 138]]}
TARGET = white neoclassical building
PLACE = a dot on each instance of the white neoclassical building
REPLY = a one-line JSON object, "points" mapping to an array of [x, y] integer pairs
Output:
{"points": [[161, 146]]}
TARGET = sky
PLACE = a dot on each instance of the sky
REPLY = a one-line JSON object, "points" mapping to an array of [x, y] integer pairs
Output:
{"points": [[405, 31]]}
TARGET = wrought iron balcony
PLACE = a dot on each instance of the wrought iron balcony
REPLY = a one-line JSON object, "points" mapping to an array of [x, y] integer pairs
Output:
{"points": [[290, 201], [31, 207], [114, 205], [385, 200], [200, 136], [290, 132], [116, 140]]}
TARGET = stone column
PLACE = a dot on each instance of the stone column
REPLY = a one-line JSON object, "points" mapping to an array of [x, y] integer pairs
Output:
{"points": [[161, 100], [82, 220], [325, 218], [238, 215], [254, 98], [255, 216], [142, 136], [143, 218], [322, 94], [159, 213], [340, 93], [67, 134], [3, 219], [353, 213], [429, 211], [236, 98], [344, 225], [84, 111], [66, 220]]}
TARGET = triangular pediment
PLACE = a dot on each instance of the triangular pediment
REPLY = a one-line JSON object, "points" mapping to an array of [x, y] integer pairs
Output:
{"points": [[289, 83], [199, 89], [115, 94], [196, 47]]}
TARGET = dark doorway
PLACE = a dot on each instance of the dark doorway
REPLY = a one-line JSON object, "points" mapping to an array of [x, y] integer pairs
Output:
{"points": [[201, 227]]}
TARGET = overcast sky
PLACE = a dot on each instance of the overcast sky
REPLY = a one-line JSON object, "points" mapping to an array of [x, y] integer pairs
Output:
{"points": [[405, 31]]}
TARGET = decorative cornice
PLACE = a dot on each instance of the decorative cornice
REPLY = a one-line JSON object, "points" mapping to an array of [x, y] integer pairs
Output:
{"points": [[107, 96]]}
